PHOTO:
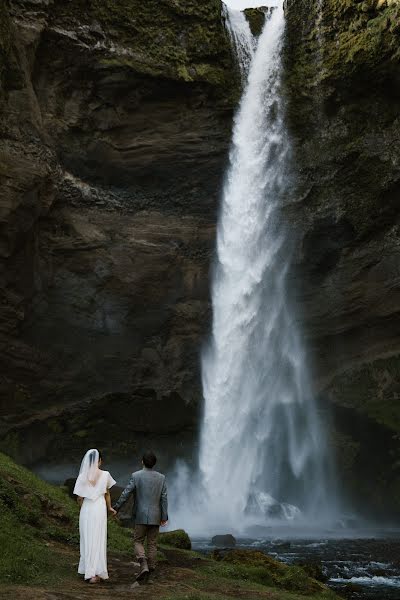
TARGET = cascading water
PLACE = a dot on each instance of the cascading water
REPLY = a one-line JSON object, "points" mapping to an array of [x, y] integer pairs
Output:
{"points": [[242, 40], [262, 452]]}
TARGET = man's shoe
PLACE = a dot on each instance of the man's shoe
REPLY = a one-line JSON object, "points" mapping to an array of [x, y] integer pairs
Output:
{"points": [[144, 570]]}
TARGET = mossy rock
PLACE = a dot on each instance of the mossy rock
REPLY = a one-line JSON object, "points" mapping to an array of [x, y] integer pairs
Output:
{"points": [[258, 567], [251, 558], [178, 40], [256, 18], [178, 539], [344, 37]]}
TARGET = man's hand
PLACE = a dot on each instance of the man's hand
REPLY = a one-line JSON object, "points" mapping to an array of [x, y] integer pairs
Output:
{"points": [[163, 523]]}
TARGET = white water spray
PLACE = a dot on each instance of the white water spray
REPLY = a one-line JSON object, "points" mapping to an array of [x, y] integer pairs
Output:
{"points": [[262, 454], [242, 40]]}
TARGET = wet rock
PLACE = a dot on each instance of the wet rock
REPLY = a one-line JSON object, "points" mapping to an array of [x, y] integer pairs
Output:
{"points": [[224, 541]]}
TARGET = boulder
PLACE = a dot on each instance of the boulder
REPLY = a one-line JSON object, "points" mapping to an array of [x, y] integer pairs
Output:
{"points": [[224, 541], [177, 538]]}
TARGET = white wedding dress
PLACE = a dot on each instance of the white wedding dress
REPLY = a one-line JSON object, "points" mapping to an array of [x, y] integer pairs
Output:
{"points": [[93, 524]]}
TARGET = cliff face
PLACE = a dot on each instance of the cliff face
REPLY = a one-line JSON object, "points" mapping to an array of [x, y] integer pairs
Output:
{"points": [[115, 122], [343, 86]]}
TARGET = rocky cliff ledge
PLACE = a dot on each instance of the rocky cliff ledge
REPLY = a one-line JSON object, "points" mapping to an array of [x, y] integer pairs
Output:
{"points": [[115, 120], [343, 85]]}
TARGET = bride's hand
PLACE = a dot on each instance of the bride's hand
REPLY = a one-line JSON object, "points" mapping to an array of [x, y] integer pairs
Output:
{"points": [[113, 512]]}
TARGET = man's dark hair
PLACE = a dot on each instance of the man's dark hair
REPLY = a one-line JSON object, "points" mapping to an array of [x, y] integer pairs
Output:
{"points": [[149, 459]]}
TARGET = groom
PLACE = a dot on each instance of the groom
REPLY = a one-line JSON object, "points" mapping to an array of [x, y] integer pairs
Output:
{"points": [[150, 510]]}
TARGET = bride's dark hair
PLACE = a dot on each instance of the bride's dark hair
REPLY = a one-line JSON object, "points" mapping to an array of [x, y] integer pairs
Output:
{"points": [[92, 457]]}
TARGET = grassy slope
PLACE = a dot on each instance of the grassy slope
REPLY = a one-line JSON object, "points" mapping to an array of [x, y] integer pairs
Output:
{"points": [[39, 542], [36, 521]]}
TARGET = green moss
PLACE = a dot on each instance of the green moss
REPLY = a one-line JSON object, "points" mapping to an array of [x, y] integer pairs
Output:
{"points": [[168, 38], [256, 18], [178, 539], [342, 39], [255, 566]]}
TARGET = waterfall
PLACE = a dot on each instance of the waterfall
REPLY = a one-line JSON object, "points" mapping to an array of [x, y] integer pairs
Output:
{"points": [[262, 451], [263, 456], [242, 40]]}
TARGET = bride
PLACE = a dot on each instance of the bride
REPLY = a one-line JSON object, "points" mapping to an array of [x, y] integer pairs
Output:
{"points": [[92, 488]]}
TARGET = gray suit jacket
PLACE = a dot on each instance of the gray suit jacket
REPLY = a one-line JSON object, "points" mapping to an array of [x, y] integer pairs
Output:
{"points": [[150, 504]]}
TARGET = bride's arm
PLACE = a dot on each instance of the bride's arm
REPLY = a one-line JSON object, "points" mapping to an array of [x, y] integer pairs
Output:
{"points": [[79, 500], [108, 502]]}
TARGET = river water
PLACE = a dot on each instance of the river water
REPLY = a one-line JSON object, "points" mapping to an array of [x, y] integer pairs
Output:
{"points": [[364, 566]]}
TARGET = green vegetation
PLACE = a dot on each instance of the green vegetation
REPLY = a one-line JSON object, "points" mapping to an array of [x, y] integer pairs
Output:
{"points": [[341, 63], [35, 520], [177, 539], [256, 19], [345, 37], [256, 567], [249, 574], [169, 38]]}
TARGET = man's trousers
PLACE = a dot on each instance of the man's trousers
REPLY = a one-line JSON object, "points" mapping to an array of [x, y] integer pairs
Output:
{"points": [[151, 533]]}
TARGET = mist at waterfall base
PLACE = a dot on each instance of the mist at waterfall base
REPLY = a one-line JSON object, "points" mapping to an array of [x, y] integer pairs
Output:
{"points": [[263, 457]]}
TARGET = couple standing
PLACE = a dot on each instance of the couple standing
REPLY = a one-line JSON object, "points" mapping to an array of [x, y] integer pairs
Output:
{"points": [[150, 510]]}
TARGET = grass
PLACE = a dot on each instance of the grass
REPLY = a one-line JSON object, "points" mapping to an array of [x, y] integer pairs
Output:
{"points": [[220, 583], [36, 520], [249, 575]]}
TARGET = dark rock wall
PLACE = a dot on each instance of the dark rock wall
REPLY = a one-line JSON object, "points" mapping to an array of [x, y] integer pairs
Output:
{"points": [[343, 85], [115, 123]]}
